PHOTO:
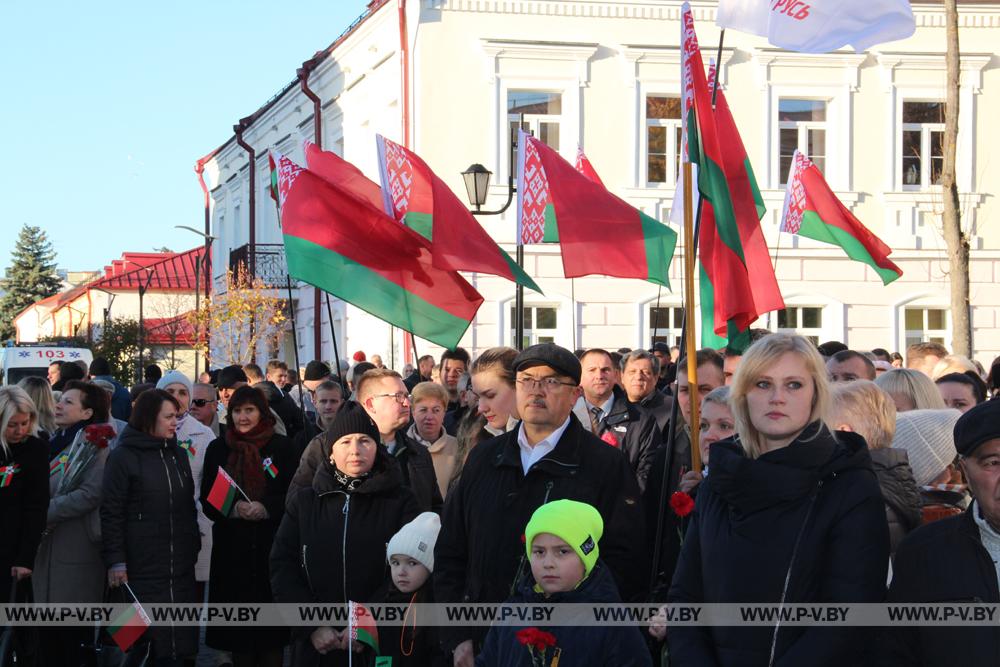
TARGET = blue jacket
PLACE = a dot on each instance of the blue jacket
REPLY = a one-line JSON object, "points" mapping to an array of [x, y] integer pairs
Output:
{"points": [[121, 402], [596, 646]]}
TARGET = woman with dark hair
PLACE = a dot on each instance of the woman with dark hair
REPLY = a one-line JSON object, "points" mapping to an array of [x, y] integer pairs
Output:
{"points": [[68, 565], [149, 522], [962, 391], [262, 463]]}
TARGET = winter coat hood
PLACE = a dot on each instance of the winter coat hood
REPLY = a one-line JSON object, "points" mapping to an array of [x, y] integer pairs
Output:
{"points": [[895, 478], [787, 474]]}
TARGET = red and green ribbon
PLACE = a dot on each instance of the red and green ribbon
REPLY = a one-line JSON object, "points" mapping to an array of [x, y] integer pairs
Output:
{"points": [[270, 468], [188, 446], [58, 464], [7, 474]]}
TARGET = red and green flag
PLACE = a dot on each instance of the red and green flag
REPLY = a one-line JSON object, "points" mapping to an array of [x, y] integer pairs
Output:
{"points": [[414, 195], [813, 211], [362, 623], [584, 166], [222, 495], [338, 171], [273, 187], [270, 468], [737, 277], [347, 247], [599, 233], [129, 626]]}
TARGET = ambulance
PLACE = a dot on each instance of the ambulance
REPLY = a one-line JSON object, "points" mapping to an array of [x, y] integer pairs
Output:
{"points": [[20, 361]]}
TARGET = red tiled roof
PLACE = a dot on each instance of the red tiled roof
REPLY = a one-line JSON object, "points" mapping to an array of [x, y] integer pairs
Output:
{"points": [[170, 271]]}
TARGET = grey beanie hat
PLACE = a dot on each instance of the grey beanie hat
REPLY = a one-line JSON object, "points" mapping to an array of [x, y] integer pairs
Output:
{"points": [[927, 437]]}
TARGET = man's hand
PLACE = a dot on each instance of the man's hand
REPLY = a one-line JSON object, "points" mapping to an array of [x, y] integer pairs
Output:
{"points": [[463, 656]]}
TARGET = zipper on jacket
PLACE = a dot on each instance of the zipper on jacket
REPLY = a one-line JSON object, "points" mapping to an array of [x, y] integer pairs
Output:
{"points": [[305, 567], [170, 509], [343, 545]]}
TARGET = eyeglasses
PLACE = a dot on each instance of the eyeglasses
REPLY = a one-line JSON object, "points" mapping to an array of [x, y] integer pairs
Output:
{"points": [[399, 397], [546, 384], [201, 402]]}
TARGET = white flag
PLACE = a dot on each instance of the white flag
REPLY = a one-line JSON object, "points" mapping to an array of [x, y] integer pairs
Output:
{"points": [[819, 26]]}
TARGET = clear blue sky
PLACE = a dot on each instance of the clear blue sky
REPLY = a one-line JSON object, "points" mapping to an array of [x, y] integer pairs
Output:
{"points": [[107, 105]]}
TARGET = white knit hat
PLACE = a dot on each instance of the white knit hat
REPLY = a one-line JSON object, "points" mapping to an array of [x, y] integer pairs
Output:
{"points": [[416, 539], [174, 377], [927, 437]]}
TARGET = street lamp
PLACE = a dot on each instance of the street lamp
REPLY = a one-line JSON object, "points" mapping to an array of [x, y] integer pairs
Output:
{"points": [[209, 239], [477, 182], [142, 337]]}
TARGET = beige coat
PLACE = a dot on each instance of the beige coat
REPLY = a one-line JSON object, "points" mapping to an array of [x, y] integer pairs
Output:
{"points": [[444, 454], [68, 567]]}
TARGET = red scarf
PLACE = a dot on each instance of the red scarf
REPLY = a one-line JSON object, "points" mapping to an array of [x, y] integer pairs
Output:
{"points": [[244, 457]]}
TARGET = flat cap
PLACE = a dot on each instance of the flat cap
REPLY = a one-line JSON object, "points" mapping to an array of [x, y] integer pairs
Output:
{"points": [[978, 425], [229, 376], [316, 370], [549, 354]]}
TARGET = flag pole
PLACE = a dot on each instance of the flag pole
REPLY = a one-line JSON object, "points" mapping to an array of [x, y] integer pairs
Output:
{"points": [[333, 336], [572, 298], [674, 410], [295, 346], [691, 348]]}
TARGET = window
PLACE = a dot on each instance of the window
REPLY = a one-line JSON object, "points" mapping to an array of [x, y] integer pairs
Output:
{"points": [[922, 144], [663, 139], [803, 320], [539, 325], [539, 114], [926, 324], [665, 324], [801, 126]]}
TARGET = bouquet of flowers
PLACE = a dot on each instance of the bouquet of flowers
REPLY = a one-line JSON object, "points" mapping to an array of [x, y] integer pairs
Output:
{"points": [[538, 643], [82, 453]]}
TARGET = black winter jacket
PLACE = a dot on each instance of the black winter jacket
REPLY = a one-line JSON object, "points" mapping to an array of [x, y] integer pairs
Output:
{"points": [[900, 492], [944, 561], [327, 525], [741, 547], [415, 466], [421, 643], [677, 458], [149, 522], [24, 502], [660, 406], [635, 431], [241, 549], [479, 551], [580, 646]]}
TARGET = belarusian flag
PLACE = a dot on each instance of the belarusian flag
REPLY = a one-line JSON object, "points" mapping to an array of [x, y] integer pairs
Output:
{"points": [[737, 277], [223, 492], [338, 171], [7, 474], [584, 166], [270, 468], [819, 26], [347, 247], [273, 189], [599, 233], [415, 196], [362, 623], [129, 626], [813, 211]]}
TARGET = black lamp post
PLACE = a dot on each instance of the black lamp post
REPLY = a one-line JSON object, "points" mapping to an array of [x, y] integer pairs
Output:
{"points": [[142, 334], [477, 181], [204, 259]]}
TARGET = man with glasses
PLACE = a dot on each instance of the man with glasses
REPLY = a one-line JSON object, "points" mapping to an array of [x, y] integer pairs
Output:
{"points": [[205, 406], [550, 456], [382, 394]]}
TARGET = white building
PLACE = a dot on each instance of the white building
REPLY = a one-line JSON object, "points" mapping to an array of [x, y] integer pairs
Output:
{"points": [[605, 74]]}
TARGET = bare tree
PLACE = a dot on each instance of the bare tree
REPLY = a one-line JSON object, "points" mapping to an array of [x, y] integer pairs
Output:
{"points": [[951, 221], [174, 328]]}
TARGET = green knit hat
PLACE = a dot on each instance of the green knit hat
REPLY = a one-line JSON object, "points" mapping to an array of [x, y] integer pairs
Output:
{"points": [[578, 524]]}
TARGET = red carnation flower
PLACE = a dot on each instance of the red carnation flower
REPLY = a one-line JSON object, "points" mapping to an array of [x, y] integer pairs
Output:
{"points": [[524, 538], [544, 639], [681, 503], [610, 438], [526, 636], [99, 435]]}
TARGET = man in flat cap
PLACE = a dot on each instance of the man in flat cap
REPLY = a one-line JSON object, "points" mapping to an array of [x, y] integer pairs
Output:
{"points": [[549, 456], [955, 560]]}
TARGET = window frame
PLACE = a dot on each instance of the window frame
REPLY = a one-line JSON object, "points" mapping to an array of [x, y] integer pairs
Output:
{"points": [[802, 128], [532, 334], [672, 125], [942, 336], [926, 159], [815, 333]]}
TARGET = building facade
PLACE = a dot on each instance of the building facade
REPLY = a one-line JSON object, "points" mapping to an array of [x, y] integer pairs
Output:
{"points": [[605, 76]]}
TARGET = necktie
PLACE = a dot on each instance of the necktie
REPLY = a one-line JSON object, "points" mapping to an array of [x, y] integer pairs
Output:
{"points": [[595, 421]]}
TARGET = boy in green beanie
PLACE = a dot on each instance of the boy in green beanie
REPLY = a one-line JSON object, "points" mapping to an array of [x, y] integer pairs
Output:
{"points": [[561, 544]]}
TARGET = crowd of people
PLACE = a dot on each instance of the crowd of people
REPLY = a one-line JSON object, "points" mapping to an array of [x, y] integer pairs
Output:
{"points": [[827, 475]]}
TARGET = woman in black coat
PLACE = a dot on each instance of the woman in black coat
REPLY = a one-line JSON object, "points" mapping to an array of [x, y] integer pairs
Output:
{"points": [[788, 514], [262, 464], [330, 547], [149, 523]]}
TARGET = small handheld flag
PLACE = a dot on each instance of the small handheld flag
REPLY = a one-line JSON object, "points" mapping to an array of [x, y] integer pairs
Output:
{"points": [[270, 468], [362, 625], [130, 625], [222, 495]]}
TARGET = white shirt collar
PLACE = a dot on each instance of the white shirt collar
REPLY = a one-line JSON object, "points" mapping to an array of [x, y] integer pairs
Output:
{"points": [[605, 408], [530, 455]]}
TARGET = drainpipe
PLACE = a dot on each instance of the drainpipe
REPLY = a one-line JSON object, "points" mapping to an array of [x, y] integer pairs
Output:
{"points": [[252, 245], [303, 74], [199, 168]]}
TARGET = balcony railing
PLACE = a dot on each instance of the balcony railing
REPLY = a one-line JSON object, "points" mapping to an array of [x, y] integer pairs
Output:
{"points": [[268, 263]]}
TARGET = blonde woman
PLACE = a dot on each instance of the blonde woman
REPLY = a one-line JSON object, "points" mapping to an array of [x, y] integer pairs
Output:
{"points": [[910, 390], [40, 393], [788, 514], [429, 404]]}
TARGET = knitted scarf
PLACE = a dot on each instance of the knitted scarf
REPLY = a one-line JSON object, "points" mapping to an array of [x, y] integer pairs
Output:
{"points": [[244, 457]]}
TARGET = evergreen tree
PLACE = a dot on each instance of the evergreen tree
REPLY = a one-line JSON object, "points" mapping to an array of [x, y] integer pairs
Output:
{"points": [[30, 277]]}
